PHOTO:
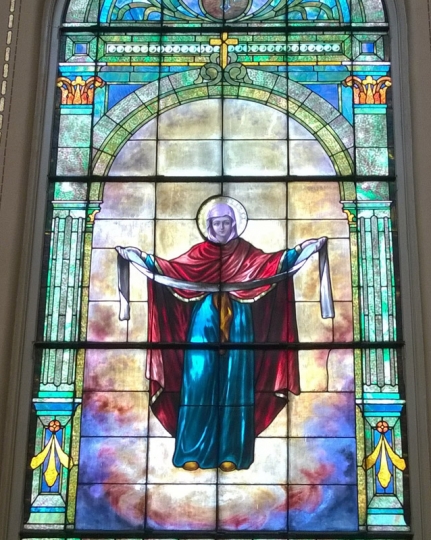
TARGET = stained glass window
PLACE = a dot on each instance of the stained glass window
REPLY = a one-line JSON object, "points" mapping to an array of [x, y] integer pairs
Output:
{"points": [[218, 350]]}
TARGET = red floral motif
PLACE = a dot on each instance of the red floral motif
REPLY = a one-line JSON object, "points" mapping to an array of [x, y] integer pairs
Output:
{"points": [[54, 426], [382, 426]]}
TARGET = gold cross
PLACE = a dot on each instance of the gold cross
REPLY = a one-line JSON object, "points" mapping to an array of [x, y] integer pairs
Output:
{"points": [[224, 42]]}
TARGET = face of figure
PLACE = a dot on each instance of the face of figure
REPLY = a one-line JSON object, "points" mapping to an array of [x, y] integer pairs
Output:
{"points": [[222, 227]]}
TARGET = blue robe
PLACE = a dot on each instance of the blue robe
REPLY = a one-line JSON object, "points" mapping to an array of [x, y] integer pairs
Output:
{"points": [[216, 413]]}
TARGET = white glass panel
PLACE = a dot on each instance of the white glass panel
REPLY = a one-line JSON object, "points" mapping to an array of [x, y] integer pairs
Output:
{"points": [[255, 158], [136, 158], [123, 232], [147, 131], [127, 200], [196, 120], [261, 200], [251, 120], [296, 131], [176, 237], [137, 327], [268, 235], [309, 158], [104, 279], [315, 200], [189, 158], [183, 200], [311, 326]]}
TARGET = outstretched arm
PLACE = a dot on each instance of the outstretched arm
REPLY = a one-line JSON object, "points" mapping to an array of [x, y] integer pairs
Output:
{"points": [[140, 259], [127, 252], [300, 253], [308, 248]]}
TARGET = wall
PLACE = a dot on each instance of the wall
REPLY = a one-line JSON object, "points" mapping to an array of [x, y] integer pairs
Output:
{"points": [[23, 49]]}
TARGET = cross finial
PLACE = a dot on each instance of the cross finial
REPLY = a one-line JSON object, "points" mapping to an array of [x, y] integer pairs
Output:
{"points": [[224, 41]]}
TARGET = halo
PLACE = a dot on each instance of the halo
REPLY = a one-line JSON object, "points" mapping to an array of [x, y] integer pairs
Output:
{"points": [[239, 211]]}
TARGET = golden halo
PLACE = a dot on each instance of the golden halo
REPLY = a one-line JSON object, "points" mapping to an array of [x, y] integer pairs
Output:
{"points": [[239, 211]]}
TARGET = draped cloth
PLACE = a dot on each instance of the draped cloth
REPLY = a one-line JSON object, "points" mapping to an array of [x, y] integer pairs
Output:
{"points": [[244, 273]]}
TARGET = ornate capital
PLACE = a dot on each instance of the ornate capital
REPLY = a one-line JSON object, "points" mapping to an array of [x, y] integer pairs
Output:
{"points": [[368, 91], [78, 92]]}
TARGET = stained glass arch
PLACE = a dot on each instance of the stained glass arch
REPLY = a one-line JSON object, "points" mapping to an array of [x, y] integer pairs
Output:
{"points": [[360, 12], [315, 114], [219, 300]]}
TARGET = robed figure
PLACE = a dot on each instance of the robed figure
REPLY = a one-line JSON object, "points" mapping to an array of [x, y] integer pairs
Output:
{"points": [[216, 400]]}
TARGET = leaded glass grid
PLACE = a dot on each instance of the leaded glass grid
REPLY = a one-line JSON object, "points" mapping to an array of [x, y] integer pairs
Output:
{"points": [[275, 117]]}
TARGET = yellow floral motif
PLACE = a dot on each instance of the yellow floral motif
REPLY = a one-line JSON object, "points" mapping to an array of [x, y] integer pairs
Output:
{"points": [[53, 449], [384, 450]]}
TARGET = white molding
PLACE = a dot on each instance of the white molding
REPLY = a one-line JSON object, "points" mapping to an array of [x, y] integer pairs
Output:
{"points": [[418, 394]]}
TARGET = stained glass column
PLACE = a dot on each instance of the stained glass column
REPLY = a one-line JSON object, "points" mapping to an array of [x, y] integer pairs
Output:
{"points": [[382, 404], [57, 397], [378, 392]]}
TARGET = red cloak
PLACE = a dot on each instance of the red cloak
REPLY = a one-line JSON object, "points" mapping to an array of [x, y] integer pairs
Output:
{"points": [[274, 321]]}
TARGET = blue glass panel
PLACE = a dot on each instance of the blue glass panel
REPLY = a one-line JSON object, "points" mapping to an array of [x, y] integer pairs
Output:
{"points": [[81, 48], [368, 47], [119, 91], [327, 91]]}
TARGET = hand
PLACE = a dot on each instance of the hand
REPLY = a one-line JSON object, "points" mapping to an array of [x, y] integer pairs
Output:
{"points": [[124, 252], [318, 243]]}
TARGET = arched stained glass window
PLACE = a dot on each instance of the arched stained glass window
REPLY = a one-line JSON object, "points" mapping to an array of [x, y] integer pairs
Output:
{"points": [[218, 351]]}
